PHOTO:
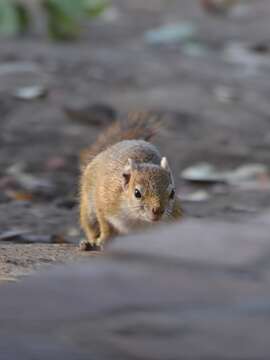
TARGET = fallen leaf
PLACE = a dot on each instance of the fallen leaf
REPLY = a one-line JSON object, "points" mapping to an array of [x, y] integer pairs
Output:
{"points": [[202, 172], [253, 176], [30, 92], [19, 195], [171, 33], [196, 196]]}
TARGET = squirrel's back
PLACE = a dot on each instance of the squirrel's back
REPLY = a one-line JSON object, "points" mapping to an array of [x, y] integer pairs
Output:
{"points": [[117, 155], [139, 126]]}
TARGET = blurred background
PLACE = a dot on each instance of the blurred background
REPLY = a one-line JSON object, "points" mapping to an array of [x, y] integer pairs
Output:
{"points": [[195, 290], [69, 68]]}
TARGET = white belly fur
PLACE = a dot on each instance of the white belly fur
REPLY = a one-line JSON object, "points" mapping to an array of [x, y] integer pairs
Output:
{"points": [[125, 225], [119, 224]]}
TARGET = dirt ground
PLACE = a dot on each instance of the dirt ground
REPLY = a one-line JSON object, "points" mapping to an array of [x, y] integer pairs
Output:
{"points": [[213, 94]]}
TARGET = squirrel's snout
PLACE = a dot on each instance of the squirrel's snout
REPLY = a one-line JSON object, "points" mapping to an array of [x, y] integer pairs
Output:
{"points": [[157, 212]]}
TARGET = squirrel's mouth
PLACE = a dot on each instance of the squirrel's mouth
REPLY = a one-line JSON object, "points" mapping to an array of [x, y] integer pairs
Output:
{"points": [[154, 218]]}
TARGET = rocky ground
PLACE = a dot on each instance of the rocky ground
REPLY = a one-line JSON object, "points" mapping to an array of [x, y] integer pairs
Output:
{"points": [[209, 78], [189, 297]]}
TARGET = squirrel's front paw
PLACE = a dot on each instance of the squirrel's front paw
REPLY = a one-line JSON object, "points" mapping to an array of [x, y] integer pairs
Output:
{"points": [[87, 246], [100, 241]]}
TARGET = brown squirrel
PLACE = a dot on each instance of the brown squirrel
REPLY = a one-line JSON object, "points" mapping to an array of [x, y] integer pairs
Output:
{"points": [[125, 183]]}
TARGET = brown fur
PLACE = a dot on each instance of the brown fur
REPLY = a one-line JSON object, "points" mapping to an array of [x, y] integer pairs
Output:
{"points": [[112, 173]]}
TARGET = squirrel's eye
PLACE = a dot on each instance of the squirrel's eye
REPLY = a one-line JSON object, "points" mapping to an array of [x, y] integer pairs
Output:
{"points": [[137, 194], [172, 194]]}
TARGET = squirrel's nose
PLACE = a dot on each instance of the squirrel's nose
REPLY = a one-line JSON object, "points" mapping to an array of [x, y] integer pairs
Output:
{"points": [[157, 211]]}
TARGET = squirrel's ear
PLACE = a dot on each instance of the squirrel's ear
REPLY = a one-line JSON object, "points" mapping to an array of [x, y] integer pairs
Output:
{"points": [[130, 166], [164, 164]]}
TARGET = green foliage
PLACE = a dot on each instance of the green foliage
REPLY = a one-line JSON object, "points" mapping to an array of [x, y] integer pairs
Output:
{"points": [[12, 20], [64, 17], [94, 8], [23, 17]]}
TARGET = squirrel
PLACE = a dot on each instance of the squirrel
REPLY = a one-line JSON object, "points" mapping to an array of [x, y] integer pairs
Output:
{"points": [[125, 183]]}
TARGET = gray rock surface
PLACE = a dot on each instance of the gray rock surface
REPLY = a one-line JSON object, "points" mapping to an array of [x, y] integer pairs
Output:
{"points": [[192, 295]]}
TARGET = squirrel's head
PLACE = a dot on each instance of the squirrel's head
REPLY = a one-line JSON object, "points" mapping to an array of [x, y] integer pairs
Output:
{"points": [[149, 189]]}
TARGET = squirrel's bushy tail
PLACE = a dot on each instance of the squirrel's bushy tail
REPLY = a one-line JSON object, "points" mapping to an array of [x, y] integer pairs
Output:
{"points": [[139, 125]]}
